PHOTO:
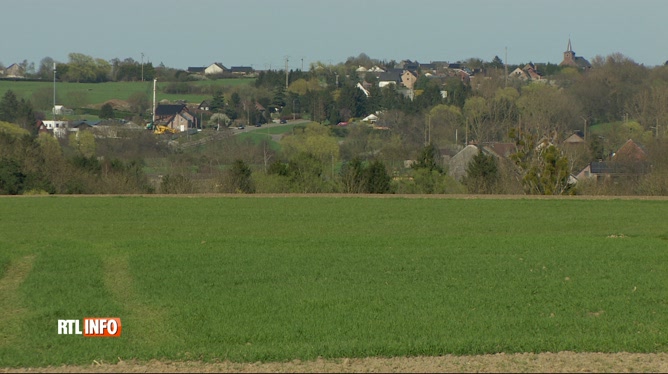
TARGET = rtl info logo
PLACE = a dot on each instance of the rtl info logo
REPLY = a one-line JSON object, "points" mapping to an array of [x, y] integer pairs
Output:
{"points": [[93, 327]]}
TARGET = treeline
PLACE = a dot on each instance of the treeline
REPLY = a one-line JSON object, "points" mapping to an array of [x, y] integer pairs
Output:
{"points": [[82, 68], [41, 164]]}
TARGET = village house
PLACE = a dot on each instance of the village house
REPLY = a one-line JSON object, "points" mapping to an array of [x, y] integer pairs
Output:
{"points": [[390, 77], [215, 68], [629, 161], [175, 116], [408, 79], [527, 73], [241, 70], [14, 71], [57, 128], [458, 164]]}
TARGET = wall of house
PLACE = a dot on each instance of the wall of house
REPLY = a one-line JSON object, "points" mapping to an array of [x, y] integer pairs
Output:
{"points": [[213, 69], [14, 71], [50, 125], [408, 80], [182, 122]]}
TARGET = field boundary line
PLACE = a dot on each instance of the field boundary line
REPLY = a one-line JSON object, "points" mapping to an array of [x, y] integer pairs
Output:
{"points": [[11, 303], [356, 196], [560, 362]]}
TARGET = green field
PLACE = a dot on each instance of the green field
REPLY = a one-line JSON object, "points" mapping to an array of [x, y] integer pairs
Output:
{"points": [[264, 134], [278, 278], [97, 93]]}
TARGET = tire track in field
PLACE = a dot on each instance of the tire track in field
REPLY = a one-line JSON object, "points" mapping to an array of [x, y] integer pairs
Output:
{"points": [[11, 302], [148, 330]]}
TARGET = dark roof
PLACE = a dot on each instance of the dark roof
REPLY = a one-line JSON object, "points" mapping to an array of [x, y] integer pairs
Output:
{"points": [[407, 64], [197, 69], [582, 62], [619, 168], [241, 69], [390, 76], [169, 109], [428, 66], [84, 123]]}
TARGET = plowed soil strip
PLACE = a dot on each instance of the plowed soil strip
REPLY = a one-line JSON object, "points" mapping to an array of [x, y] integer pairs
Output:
{"points": [[523, 362]]}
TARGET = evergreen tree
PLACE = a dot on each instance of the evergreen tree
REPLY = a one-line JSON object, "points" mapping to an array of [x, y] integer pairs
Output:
{"points": [[429, 159], [352, 101], [377, 180], [9, 106], [238, 178], [482, 174], [217, 102], [279, 97], [496, 63]]}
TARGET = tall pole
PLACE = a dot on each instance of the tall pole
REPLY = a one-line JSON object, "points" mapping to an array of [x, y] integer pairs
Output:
{"points": [[142, 66], [54, 94], [155, 82], [505, 66], [286, 72], [466, 134], [429, 129]]}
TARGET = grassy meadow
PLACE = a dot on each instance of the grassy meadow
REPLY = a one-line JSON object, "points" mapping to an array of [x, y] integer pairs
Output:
{"points": [[279, 278], [265, 134], [97, 93]]}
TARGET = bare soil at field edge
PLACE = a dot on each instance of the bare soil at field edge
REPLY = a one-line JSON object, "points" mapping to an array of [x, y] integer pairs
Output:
{"points": [[523, 362]]}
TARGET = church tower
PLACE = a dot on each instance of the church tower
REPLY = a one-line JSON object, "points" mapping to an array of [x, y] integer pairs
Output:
{"points": [[569, 55]]}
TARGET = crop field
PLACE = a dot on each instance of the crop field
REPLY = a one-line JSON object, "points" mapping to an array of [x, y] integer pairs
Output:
{"points": [[279, 278], [97, 93]]}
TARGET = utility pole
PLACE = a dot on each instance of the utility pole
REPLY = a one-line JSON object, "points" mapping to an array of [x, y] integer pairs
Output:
{"points": [[466, 134], [429, 120], [155, 82], [585, 127], [286, 72], [505, 66], [302, 63], [54, 94], [293, 109], [142, 66]]}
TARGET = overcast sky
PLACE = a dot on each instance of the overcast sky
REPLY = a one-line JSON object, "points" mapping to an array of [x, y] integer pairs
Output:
{"points": [[262, 33]]}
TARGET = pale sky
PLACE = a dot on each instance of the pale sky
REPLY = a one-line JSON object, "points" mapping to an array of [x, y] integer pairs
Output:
{"points": [[262, 33]]}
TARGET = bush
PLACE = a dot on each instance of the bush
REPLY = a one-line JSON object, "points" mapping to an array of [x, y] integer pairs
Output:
{"points": [[238, 179], [176, 184]]}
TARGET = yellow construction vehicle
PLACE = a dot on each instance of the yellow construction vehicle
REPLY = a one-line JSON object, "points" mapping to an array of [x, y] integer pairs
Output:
{"points": [[164, 129]]}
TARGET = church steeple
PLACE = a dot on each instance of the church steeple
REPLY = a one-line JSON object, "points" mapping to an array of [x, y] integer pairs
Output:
{"points": [[569, 55], [571, 60]]}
